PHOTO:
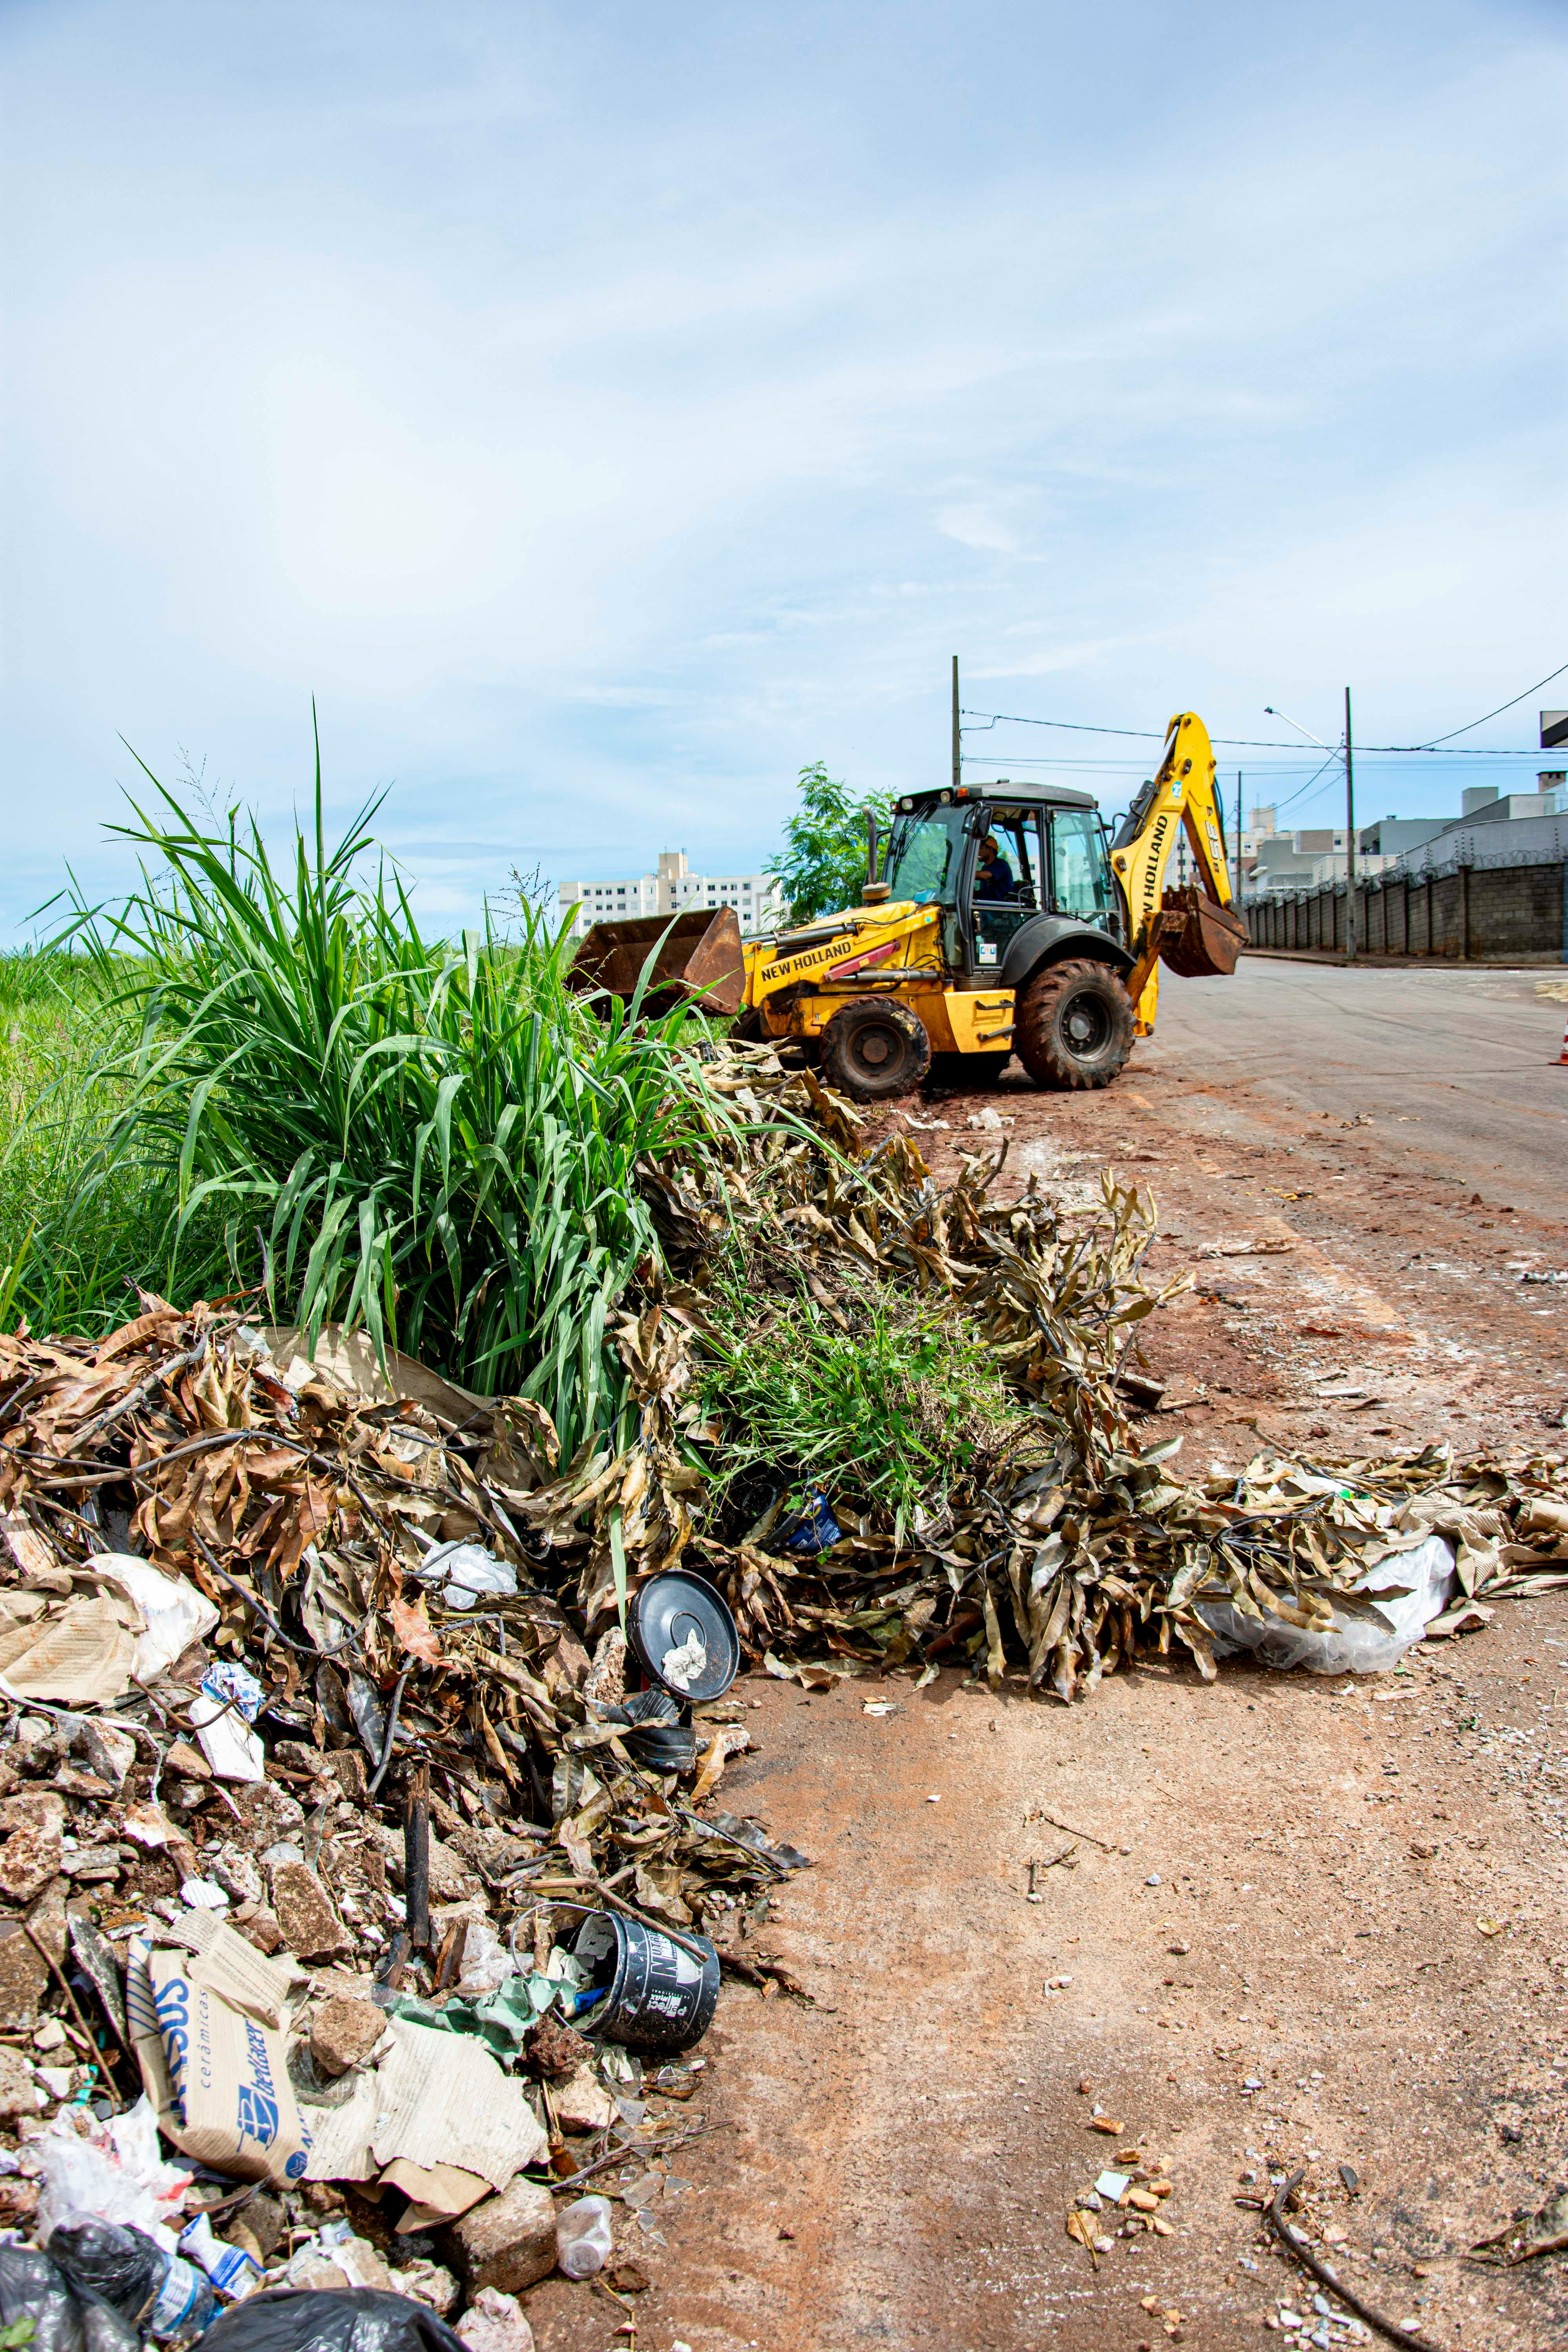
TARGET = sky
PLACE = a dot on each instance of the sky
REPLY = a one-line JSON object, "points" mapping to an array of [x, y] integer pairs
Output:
{"points": [[604, 413]]}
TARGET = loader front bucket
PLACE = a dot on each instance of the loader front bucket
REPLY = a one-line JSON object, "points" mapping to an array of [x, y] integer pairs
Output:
{"points": [[688, 958], [1199, 939]]}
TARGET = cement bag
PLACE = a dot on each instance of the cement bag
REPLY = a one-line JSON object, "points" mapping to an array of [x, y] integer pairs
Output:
{"points": [[1358, 1645]]}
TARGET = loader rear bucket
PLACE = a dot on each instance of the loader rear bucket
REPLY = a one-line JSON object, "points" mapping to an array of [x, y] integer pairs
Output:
{"points": [[691, 958], [1198, 937]]}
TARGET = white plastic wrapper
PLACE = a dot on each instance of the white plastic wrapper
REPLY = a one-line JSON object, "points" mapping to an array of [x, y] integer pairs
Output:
{"points": [[176, 1613], [118, 2175], [467, 1573], [1357, 1645]]}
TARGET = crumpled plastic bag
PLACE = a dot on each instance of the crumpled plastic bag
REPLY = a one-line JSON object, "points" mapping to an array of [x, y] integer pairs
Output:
{"points": [[176, 1612], [1358, 1645], [355, 2319], [467, 1573], [117, 2176]]}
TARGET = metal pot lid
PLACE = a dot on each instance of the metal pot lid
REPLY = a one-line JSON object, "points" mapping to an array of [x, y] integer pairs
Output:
{"points": [[683, 1634]]}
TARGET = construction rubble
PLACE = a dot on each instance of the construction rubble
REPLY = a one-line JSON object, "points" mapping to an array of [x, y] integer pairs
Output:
{"points": [[366, 1874]]}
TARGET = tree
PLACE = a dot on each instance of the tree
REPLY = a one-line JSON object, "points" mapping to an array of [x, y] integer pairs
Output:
{"points": [[822, 864]]}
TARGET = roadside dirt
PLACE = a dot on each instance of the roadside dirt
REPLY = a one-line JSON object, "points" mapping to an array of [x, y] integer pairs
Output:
{"points": [[1352, 1896]]}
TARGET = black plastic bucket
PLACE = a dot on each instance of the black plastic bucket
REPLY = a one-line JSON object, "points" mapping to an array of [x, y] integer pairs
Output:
{"points": [[656, 1994], [665, 1612]]}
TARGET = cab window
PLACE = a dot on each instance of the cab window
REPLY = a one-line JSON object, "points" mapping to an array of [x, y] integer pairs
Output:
{"points": [[1006, 879], [1078, 864], [924, 856]]}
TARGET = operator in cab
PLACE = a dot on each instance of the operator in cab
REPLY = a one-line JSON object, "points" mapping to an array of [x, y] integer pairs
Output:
{"points": [[994, 877]]}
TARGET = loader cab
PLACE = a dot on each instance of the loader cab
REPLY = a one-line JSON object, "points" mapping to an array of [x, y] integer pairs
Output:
{"points": [[994, 855]]}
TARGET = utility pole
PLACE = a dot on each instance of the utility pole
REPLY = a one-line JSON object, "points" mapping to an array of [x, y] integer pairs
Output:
{"points": [[1350, 837], [956, 762], [1238, 836]]}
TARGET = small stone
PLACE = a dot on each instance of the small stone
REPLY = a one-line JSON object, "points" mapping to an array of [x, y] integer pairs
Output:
{"points": [[428, 2282], [57, 2080], [495, 2323], [49, 2036], [1084, 2086], [32, 1824], [555, 2050], [110, 1753], [1153, 1879], [582, 2103], [343, 2032], [310, 1926], [237, 1872], [262, 1930], [93, 1865], [507, 2242], [18, 2092]]}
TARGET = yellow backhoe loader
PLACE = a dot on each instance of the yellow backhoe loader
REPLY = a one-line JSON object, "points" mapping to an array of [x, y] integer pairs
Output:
{"points": [[1003, 919]]}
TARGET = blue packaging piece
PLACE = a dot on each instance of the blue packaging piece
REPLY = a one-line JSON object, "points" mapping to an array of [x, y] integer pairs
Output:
{"points": [[813, 1529]]}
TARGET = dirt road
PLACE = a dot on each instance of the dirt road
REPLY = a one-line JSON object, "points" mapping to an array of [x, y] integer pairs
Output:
{"points": [[1351, 1898]]}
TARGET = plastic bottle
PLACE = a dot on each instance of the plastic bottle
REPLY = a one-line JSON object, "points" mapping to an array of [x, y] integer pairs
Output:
{"points": [[231, 2270], [582, 2240], [156, 2291]]}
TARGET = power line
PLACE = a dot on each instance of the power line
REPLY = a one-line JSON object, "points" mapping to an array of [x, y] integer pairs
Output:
{"points": [[1491, 714], [1257, 743]]}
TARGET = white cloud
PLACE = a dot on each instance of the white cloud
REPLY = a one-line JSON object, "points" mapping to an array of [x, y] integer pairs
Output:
{"points": [[604, 415]]}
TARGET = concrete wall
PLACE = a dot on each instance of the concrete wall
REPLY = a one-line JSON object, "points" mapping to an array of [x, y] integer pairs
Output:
{"points": [[1477, 913]]}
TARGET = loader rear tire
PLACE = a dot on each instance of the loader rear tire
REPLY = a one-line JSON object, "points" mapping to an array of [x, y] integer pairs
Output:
{"points": [[1073, 1026], [874, 1048]]}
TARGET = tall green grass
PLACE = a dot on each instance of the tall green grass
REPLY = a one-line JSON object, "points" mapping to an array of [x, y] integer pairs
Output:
{"points": [[64, 1270], [438, 1142]]}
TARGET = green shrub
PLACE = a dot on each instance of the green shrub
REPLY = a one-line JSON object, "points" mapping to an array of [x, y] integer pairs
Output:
{"points": [[438, 1142], [885, 1409]]}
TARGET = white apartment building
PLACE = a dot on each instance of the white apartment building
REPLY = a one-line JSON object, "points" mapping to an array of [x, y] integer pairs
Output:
{"points": [[756, 897]]}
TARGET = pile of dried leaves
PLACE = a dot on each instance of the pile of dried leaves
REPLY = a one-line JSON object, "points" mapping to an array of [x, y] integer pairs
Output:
{"points": [[1072, 1549]]}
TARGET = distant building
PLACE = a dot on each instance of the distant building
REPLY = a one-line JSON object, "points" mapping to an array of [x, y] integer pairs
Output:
{"points": [[674, 890], [1484, 804], [1393, 835], [1306, 860]]}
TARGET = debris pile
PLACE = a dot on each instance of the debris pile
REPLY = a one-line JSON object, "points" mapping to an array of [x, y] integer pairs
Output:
{"points": [[319, 1827], [1063, 1546], [359, 1830]]}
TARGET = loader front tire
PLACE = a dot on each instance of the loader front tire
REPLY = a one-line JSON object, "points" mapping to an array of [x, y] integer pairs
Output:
{"points": [[874, 1048], [1073, 1026]]}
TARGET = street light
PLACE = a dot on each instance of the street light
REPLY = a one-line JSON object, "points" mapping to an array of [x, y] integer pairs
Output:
{"points": [[1271, 713]]}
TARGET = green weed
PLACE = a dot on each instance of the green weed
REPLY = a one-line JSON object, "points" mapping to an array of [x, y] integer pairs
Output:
{"points": [[886, 1414], [438, 1142]]}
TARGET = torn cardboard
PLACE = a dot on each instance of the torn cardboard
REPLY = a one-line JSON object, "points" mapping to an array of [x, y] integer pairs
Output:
{"points": [[437, 2100]]}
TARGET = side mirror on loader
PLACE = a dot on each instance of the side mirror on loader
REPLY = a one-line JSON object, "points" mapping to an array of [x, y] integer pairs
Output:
{"points": [[875, 891]]}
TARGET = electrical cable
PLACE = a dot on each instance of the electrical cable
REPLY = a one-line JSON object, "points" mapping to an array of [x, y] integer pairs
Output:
{"points": [[1490, 714], [1265, 743]]}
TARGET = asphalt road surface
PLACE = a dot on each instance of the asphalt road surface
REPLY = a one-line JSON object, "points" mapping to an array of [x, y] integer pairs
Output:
{"points": [[1470, 1054]]}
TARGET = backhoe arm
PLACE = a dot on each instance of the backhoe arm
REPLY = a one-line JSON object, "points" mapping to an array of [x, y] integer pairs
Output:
{"points": [[1180, 799]]}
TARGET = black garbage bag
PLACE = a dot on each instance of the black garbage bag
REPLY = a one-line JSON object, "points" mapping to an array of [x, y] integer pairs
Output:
{"points": [[357, 2319], [66, 2318], [155, 2291]]}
